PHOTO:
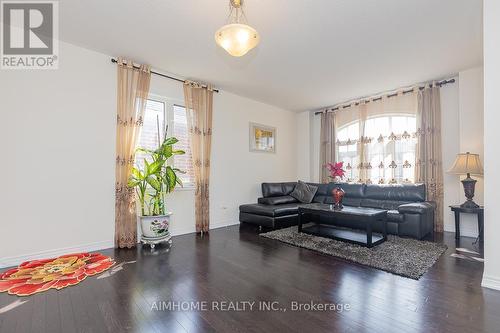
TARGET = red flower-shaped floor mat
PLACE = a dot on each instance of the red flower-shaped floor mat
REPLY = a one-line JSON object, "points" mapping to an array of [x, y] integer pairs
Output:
{"points": [[35, 276]]}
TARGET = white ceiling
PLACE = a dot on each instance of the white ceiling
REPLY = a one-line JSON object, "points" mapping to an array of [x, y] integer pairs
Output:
{"points": [[313, 53]]}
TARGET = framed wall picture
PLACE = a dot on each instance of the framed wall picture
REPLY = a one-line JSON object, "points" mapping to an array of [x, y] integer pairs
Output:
{"points": [[262, 138]]}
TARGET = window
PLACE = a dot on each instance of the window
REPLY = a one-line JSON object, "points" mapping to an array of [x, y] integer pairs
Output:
{"points": [[180, 131], [159, 113], [388, 148]]}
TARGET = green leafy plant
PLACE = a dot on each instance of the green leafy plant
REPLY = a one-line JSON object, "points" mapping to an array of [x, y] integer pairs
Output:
{"points": [[156, 178]]}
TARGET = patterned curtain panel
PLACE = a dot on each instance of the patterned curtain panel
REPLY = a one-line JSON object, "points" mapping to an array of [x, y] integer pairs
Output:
{"points": [[199, 100], [429, 165], [133, 89], [376, 139], [327, 142]]}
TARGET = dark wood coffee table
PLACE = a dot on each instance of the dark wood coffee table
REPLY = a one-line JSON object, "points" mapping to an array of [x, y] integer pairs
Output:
{"points": [[368, 216]]}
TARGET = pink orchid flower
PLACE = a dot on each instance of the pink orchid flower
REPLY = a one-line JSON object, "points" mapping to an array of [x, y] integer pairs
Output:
{"points": [[336, 169]]}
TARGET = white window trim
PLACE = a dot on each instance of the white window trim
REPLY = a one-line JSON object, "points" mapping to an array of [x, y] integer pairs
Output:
{"points": [[169, 119]]}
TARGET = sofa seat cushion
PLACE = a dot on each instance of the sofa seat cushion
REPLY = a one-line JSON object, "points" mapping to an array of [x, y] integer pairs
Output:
{"points": [[271, 210], [394, 216], [416, 208], [277, 200]]}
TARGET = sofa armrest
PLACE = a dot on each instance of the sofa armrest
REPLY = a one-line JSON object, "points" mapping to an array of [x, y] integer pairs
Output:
{"points": [[277, 200], [416, 207]]}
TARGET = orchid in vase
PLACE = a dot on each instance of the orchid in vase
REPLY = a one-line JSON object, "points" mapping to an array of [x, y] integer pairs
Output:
{"points": [[337, 173], [336, 170]]}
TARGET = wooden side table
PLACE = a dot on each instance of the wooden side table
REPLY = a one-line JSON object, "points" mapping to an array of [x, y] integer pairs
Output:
{"points": [[480, 219]]}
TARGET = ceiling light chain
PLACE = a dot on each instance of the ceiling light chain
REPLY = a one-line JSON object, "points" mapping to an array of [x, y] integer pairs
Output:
{"points": [[236, 7]]}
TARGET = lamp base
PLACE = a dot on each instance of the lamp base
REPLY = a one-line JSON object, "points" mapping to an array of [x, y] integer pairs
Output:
{"points": [[469, 204], [469, 188]]}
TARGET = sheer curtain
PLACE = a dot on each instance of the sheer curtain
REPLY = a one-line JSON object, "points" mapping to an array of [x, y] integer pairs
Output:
{"points": [[429, 166], [199, 100], [376, 139], [133, 89]]}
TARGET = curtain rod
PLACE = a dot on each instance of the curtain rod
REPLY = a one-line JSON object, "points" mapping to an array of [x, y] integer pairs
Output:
{"points": [[439, 84], [113, 60]]}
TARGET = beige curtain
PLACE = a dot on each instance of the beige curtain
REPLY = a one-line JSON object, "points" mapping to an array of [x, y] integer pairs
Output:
{"points": [[199, 100], [362, 146], [327, 144], [133, 89], [429, 165]]}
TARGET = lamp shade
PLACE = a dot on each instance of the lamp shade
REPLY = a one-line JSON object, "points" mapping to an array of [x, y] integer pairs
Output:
{"points": [[237, 39], [467, 163]]}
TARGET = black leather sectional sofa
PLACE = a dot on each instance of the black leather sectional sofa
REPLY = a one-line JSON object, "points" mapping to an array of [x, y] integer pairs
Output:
{"points": [[408, 212]]}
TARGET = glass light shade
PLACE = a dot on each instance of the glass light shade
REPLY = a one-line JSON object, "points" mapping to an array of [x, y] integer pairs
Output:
{"points": [[467, 163], [237, 39]]}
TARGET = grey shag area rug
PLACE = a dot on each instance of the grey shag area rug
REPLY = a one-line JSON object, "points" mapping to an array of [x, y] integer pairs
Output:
{"points": [[402, 256]]}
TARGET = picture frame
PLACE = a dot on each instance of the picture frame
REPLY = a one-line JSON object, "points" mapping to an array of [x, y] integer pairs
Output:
{"points": [[262, 138]]}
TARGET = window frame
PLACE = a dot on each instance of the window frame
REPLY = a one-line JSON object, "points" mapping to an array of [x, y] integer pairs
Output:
{"points": [[169, 120]]}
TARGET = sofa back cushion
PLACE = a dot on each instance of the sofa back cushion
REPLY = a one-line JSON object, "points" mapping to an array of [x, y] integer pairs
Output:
{"points": [[348, 201], [353, 193], [382, 204], [322, 188], [321, 193], [375, 196], [351, 190], [277, 189], [400, 192], [320, 199]]}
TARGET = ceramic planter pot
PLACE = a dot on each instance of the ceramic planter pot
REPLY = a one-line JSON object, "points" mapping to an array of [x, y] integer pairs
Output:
{"points": [[155, 226]]}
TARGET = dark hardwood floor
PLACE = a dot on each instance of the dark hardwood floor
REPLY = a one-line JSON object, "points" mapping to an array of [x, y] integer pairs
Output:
{"points": [[235, 264]]}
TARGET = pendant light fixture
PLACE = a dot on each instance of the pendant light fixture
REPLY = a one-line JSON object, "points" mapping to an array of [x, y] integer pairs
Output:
{"points": [[237, 37]]}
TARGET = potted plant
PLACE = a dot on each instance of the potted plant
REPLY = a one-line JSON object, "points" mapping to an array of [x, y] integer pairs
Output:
{"points": [[152, 182]]}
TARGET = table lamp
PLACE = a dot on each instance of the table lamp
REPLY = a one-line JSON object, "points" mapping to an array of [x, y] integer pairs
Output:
{"points": [[467, 164]]}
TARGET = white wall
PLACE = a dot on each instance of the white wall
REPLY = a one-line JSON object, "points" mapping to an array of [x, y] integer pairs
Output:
{"points": [[462, 130], [491, 276], [58, 137], [315, 139], [303, 154], [471, 94], [450, 132], [236, 173], [462, 122], [57, 133]]}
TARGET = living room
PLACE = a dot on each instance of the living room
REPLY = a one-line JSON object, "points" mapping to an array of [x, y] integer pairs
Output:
{"points": [[347, 97]]}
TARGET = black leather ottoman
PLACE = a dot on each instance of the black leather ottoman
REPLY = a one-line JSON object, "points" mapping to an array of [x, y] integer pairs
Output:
{"points": [[271, 216]]}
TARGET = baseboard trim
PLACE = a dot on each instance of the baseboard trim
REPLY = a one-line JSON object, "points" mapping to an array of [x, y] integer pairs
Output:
{"points": [[223, 224], [490, 282], [192, 230], [14, 261]]}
